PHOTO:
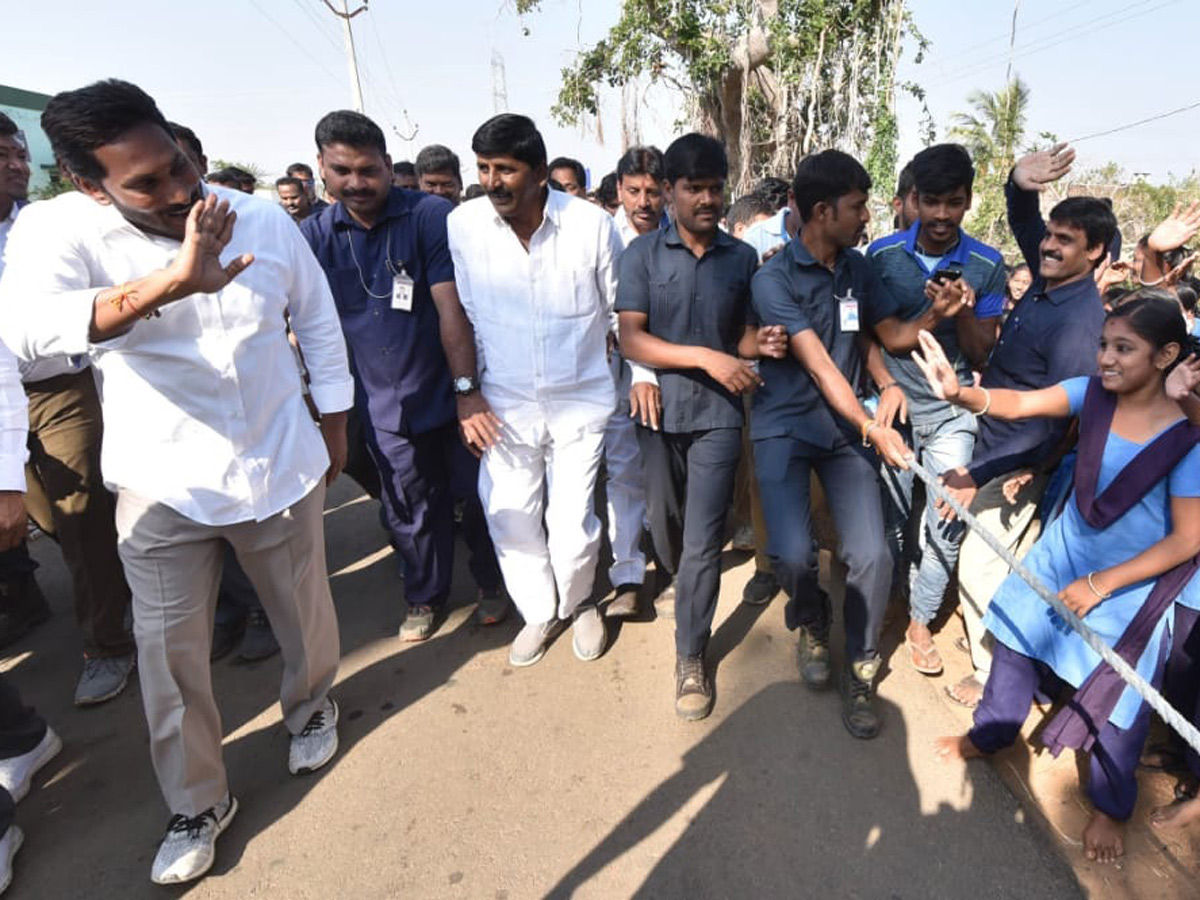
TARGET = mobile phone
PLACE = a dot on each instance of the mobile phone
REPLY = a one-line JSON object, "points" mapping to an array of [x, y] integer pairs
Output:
{"points": [[941, 276]]}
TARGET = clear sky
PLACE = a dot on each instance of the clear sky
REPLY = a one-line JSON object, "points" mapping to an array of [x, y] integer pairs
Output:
{"points": [[253, 76]]}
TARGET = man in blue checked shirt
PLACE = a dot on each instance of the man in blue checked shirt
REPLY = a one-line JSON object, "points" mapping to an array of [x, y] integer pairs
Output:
{"points": [[943, 436]]}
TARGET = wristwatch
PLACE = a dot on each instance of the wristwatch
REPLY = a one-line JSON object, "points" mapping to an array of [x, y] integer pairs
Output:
{"points": [[465, 385]]}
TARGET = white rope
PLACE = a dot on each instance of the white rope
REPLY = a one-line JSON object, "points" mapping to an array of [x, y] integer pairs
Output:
{"points": [[1176, 720]]}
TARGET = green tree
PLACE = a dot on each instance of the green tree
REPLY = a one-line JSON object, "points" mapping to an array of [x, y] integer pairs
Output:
{"points": [[774, 79]]}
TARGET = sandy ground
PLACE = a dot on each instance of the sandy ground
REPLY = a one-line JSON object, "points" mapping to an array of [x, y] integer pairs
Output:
{"points": [[460, 777]]}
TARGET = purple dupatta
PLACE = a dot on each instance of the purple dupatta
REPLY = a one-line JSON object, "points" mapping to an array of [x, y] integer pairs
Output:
{"points": [[1077, 724]]}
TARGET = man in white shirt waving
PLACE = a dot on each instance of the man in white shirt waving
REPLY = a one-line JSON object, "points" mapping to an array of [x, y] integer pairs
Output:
{"points": [[536, 273], [178, 292]]}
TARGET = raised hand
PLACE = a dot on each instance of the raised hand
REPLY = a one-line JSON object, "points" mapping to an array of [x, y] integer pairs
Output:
{"points": [[1176, 229], [931, 360], [1036, 171], [198, 269], [1184, 378]]}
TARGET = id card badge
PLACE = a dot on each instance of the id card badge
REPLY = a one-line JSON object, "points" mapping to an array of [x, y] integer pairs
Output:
{"points": [[402, 292], [848, 313]]}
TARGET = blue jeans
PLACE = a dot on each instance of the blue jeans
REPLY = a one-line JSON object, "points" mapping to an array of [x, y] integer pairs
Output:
{"points": [[939, 446]]}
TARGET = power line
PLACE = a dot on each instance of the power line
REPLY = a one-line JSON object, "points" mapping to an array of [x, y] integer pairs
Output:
{"points": [[319, 26], [1174, 112], [287, 34]]}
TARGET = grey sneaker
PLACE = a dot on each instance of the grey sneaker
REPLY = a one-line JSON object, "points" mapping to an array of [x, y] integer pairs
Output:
{"points": [[258, 641], [859, 714], [587, 634], [529, 646], [316, 744], [16, 772], [418, 624], [190, 845], [103, 678], [10, 843], [814, 656]]}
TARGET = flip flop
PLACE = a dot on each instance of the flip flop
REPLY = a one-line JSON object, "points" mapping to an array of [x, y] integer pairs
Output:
{"points": [[926, 660], [970, 682]]}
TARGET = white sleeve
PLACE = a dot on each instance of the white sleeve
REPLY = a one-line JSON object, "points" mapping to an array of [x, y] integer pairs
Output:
{"points": [[14, 424], [462, 281], [314, 321]]}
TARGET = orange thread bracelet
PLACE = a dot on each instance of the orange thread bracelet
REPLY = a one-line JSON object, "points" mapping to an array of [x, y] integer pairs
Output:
{"points": [[125, 295]]}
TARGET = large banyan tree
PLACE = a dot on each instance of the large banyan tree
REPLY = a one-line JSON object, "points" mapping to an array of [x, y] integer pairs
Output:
{"points": [[775, 79]]}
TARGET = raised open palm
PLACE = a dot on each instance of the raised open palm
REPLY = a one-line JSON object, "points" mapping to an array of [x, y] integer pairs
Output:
{"points": [[931, 359], [198, 268]]}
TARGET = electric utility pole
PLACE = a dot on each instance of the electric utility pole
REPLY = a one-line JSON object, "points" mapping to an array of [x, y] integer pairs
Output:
{"points": [[345, 15]]}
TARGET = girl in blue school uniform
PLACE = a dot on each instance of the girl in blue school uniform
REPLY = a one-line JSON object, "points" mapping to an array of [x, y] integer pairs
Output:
{"points": [[1118, 556]]}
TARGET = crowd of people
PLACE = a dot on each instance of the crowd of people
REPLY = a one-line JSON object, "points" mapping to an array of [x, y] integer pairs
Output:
{"points": [[188, 366]]}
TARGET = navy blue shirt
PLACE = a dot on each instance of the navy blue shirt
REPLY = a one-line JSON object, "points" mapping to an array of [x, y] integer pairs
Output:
{"points": [[397, 356], [698, 302], [794, 290], [1049, 337]]}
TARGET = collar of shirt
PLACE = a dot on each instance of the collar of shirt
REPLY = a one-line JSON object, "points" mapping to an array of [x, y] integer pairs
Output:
{"points": [[723, 240], [955, 255], [801, 256], [399, 203], [1084, 287], [626, 230]]}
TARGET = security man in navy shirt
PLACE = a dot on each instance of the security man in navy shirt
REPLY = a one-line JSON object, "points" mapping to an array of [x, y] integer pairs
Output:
{"points": [[808, 417], [385, 252], [682, 301]]}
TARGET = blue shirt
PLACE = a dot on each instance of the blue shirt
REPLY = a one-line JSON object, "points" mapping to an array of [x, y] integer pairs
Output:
{"points": [[699, 302], [1050, 336], [397, 358], [904, 270], [768, 234], [794, 290]]}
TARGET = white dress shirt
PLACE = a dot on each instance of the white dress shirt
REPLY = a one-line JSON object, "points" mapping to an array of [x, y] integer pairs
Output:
{"points": [[202, 405], [14, 424], [541, 317]]}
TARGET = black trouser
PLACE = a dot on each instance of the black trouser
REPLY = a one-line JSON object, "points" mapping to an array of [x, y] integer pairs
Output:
{"points": [[850, 478], [689, 489], [21, 729]]}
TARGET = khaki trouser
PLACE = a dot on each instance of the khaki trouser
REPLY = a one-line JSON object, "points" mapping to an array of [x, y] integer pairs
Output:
{"points": [[67, 498], [173, 565], [980, 570]]}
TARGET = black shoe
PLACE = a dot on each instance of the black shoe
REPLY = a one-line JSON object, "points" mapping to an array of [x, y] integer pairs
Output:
{"points": [[225, 637], [814, 655], [625, 603], [22, 607], [859, 714], [259, 640], [693, 689], [761, 589]]}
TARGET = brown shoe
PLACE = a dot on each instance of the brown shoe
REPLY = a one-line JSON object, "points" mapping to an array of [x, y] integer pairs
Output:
{"points": [[625, 604]]}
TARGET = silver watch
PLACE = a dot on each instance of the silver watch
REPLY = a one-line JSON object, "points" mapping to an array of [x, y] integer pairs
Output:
{"points": [[465, 384]]}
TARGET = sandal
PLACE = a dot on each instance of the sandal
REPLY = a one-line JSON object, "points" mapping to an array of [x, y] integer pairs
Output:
{"points": [[966, 693], [926, 660]]}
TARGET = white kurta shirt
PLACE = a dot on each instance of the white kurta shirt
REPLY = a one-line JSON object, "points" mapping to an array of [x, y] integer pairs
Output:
{"points": [[541, 316], [202, 406], [14, 424]]}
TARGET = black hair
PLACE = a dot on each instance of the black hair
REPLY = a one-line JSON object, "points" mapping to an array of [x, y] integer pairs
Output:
{"points": [[223, 177], [80, 122], [1092, 217], [565, 162], [1188, 294], [185, 134], [640, 161], [606, 193], [941, 169], [473, 191], [773, 190], [1155, 316], [290, 181], [344, 126], [404, 167], [747, 208], [555, 185], [241, 176], [905, 183], [7, 126], [824, 177], [509, 134], [295, 170], [440, 160], [695, 156]]}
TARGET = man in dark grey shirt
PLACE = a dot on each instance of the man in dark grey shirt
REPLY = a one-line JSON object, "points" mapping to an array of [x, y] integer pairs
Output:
{"points": [[682, 299]]}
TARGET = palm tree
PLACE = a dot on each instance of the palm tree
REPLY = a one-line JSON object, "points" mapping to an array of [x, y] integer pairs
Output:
{"points": [[996, 130]]}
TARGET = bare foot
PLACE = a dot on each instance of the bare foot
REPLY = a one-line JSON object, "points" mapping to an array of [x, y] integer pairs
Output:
{"points": [[967, 692], [952, 747], [1178, 815], [1103, 838]]}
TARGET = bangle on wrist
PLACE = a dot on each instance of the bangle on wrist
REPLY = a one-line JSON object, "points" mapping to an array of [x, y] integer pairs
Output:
{"points": [[866, 431], [1103, 595], [987, 403]]}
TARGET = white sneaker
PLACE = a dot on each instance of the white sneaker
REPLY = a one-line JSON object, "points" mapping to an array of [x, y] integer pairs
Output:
{"points": [[13, 838], [16, 772], [587, 634], [317, 743], [190, 845]]}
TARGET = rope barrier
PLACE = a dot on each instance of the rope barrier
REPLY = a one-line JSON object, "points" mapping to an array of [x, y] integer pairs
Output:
{"points": [[1171, 716]]}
